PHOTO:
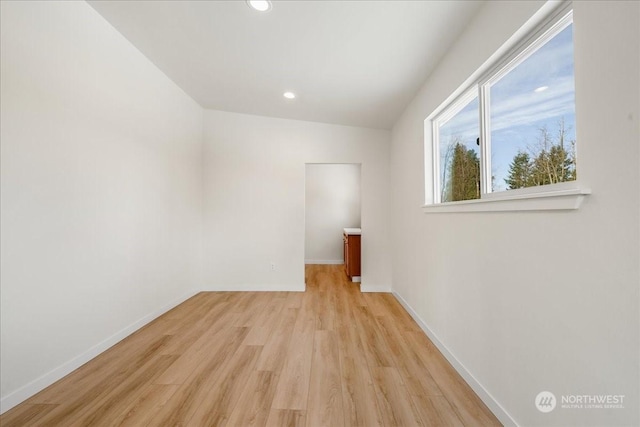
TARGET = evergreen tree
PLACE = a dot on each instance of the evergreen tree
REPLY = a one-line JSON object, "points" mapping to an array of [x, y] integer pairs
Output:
{"points": [[553, 163], [519, 171], [464, 175], [549, 162]]}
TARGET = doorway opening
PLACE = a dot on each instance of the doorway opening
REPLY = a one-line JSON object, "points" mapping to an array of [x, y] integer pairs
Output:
{"points": [[333, 217]]}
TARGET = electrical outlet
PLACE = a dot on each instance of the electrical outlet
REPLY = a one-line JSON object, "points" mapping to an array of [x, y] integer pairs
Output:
{"points": [[273, 266]]}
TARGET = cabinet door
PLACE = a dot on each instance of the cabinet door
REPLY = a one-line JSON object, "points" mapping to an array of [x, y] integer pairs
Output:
{"points": [[354, 255]]}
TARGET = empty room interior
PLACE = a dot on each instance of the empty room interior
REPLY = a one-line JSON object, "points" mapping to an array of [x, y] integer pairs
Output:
{"points": [[320, 213]]}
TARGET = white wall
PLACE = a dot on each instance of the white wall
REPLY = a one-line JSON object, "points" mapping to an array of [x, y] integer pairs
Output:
{"points": [[536, 301], [101, 191], [332, 202], [254, 202]]}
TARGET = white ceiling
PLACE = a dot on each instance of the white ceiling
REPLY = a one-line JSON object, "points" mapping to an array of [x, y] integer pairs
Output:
{"points": [[355, 63]]}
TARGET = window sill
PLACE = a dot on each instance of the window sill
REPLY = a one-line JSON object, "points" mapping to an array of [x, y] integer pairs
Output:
{"points": [[540, 201]]}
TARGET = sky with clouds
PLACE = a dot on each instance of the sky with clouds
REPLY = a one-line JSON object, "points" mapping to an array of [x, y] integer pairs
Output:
{"points": [[538, 93]]}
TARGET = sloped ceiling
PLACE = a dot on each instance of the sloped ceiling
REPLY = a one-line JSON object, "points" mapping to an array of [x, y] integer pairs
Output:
{"points": [[354, 63]]}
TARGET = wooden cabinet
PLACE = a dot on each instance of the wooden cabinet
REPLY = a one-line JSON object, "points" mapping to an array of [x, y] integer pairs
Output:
{"points": [[352, 254]]}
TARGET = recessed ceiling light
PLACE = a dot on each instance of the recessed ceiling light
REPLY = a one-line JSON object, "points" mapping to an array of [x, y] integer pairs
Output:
{"points": [[289, 95], [260, 5], [541, 89]]}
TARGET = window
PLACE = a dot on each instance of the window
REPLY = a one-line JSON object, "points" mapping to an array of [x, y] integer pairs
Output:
{"points": [[459, 153], [513, 131]]}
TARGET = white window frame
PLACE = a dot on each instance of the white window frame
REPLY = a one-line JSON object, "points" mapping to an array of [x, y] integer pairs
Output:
{"points": [[559, 196]]}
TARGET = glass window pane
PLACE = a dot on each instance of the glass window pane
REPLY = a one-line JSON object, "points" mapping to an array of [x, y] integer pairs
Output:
{"points": [[533, 138], [460, 155]]}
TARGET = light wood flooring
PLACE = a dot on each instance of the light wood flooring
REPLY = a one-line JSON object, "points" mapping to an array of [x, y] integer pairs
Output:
{"points": [[330, 356]]}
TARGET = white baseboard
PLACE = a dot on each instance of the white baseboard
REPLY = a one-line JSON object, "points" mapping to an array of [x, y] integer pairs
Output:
{"points": [[482, 393], [324, 261], [374, 288], [39, 384], [254, 288]]}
